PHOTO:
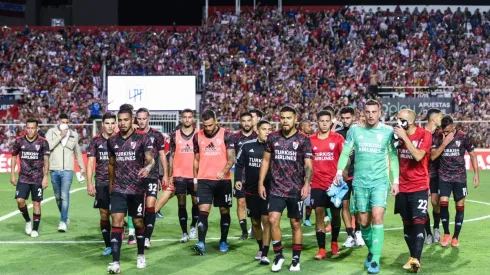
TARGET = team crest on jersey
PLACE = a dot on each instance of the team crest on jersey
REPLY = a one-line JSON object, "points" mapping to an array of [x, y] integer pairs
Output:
{"points": [[133, 145], [332, 145], [379, 137], [458, 143], [295, 145], [152, 139], [38, 147]]}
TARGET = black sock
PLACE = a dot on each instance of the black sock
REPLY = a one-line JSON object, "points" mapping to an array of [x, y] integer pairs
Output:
{"points": [[105, 228], [320, 239], [116, 241], [195, 215], [259, 242], [37, 221], [150, 219], [350, 231], [308, 212], [418, 237], [458, 221], [140, 239], [407, 234], [336, 223], [437, 219], [25, 213], [225, 226], [277, 246], [202, 226], [265, 250], [428, 231], [243, 226], [297, 252], [445, 216], [183, 218]]}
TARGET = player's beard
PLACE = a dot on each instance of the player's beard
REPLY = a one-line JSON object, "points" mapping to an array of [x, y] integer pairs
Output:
{"points": [[247, 129]]}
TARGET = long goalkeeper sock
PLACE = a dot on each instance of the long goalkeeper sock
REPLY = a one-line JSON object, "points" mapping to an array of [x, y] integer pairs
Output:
{"points": [[367, 236], [378, 237], [329, 214]]}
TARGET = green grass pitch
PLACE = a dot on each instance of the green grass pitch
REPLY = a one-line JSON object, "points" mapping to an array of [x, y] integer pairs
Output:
{"points": [[78, 250]]}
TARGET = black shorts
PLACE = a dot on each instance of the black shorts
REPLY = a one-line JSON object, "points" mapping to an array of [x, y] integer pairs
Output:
{"points": [[184, 186], [134, 205], [102, 197], [23, 190], [217, 192], [239, 194], [459, 189], [256, 206], [349, 193], [434, 185], [412, 205], [294, 206], [152, 187], [319, 198]]}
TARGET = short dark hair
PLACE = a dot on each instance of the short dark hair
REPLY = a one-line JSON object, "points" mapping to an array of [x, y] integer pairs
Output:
{"points": [[347, 110], [257, 112], [446, 121], [288, 108], [32, 120], [323, 113], [208, 114], [126, 109], [432, 112], [371, 102], [303, 122], [108, 115], [143, 110], [126, 106], [188, 111], [245, 114], [329, 109], [262, 122], [63, 116]]}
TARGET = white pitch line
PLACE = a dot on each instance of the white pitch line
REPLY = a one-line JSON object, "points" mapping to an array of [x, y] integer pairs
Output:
{"points": [[9, 215], [232, 238]]}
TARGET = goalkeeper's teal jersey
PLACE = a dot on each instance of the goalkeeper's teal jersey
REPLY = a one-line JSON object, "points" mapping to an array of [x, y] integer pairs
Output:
{"points": [[372, 147]]}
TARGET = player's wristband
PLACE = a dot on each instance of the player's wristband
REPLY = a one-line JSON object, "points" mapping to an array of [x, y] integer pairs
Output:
{"points": [[396, 181], [195, 180]]}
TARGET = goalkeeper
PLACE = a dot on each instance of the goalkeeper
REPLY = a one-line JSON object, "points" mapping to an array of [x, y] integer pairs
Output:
{"points": [[372, 144]]}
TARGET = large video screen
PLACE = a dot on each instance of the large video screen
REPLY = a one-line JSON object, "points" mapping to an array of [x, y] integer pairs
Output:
{"points": [[157, 93]]}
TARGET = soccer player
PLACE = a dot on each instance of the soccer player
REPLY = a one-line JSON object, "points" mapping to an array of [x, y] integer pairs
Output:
{"points": [[214, 155], [372, 144], [33, 152], [152, 182], [181, 156], [327, 146], [245, 134], [434, 118], [131, 160], [257, 116], [412, 199], [450, 147], [288, 154], [248, 160], [305, 127], [97, 154], [353, 238]]}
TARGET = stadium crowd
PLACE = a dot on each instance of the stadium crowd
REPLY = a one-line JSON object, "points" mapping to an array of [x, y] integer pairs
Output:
{"points": [[261, 59]]}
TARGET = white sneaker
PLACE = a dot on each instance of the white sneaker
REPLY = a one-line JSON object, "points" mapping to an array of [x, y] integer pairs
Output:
{"points": [[295, 266], [437, 235], [147, 243], [264, 261], [359, 240], [114, 268], [429, 239], [28, 228], [62, 227], [192, 233], [184, 239], [258, 256], [277, 264], [34, 234], [350, 242], [141, 262]]}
